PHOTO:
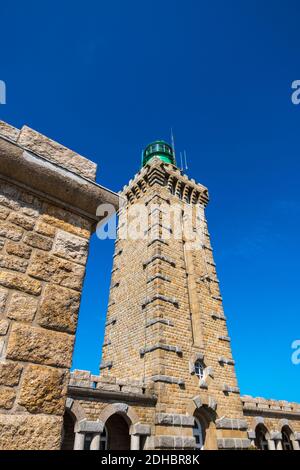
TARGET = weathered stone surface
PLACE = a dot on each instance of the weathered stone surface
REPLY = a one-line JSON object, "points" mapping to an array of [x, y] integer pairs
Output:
{"points": [[71, 247], [13, 263], [20, 282], [43, 390], [10, 373], [4, 324], [20, 219], [2, 345], [7, 398], [140, 429], [3, 299], [41, 346], [8, 131], [51, 268], [65, 221], [22, 307], [59, 308], [29, 432], [174, 442], [55, 152], [2, 241], [89, 426], [18, 249], [174, 419], [9, 196], [3, 213], [233, 443], [10, 231], [227, 423], [38, 241], [45, 229]]}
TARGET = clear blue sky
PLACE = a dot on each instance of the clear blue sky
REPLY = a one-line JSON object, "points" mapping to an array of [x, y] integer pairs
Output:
{"points": [[107, 77]]}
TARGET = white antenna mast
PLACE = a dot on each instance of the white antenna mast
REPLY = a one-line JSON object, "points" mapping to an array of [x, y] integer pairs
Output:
{"points": [[185, 160], [173, 145], [181, 162]]}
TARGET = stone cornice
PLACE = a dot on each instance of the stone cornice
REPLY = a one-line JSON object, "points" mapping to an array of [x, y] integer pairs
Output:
{"points": [[90, 393], [157, 172], [51, 181]]}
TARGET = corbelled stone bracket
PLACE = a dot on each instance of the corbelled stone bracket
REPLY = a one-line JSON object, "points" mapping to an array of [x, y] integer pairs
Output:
{"points": [[106, 365], [163, 298], [164, 347], [228, 389], [167, 379], [161, 258], [163, 321]]}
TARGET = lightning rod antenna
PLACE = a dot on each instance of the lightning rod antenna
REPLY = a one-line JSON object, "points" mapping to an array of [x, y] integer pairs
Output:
{"points": [[185, 160], [181, 162], [173, 145]]}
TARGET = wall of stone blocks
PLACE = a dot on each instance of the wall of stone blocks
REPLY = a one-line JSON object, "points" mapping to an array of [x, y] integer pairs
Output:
{"points": [[43, 253], [42, 258]]}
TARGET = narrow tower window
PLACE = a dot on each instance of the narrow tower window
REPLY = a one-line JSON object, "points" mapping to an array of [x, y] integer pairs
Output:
{"points": [[199, 369]]}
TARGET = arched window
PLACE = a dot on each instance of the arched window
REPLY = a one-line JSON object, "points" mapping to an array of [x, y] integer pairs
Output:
{"points": [[261, 442], [68, 432], [199, 369], [103, 439], [286, 439], [198, 434], [87, 441]]}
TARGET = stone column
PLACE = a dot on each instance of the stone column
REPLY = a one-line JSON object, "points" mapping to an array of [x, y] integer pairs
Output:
{"points": [[271, 444], [251, 436], [48, 202], [135, 442], [79, 441], [278, 445], [95, 444], [136, 431], [295, 445]]}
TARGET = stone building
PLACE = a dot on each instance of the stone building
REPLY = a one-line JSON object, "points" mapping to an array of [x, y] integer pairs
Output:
{"points": [[167, 376]]}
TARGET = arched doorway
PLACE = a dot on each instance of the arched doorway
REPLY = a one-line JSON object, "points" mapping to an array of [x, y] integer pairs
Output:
{"points": [[286, 438], [204, 429], [261, 441], [117, 430], [68, 436]]}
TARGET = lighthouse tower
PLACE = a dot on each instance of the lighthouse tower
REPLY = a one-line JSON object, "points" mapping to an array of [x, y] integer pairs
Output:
{"points": [[165, 322]]}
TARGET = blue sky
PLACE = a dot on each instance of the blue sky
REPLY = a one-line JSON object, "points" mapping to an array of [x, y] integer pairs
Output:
{"points": [[107, 77]]}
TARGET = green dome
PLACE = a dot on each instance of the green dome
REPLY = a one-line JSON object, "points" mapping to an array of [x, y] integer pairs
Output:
{"points": [[160, 149]]}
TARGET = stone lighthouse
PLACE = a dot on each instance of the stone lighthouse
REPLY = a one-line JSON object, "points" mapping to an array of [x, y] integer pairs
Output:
{"points": [[165, 323]]}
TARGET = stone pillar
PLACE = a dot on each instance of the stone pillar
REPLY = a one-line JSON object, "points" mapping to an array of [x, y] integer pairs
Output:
{"points": [[135, 442], [48, 202], [79, 441], [95, 444], [251, 436], [278, 445], [295, 445], [271, 444]]}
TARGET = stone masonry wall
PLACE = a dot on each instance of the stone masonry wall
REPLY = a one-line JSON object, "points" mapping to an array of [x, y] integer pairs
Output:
{"points": [[43, 253]]}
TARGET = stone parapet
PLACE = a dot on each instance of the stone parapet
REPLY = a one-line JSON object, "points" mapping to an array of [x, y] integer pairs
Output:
{"points": [[263, 404], [85, 379]]}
